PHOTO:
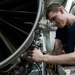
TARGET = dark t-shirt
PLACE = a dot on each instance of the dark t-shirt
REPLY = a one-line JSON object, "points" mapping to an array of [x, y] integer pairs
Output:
{"points": [[67, 37]]}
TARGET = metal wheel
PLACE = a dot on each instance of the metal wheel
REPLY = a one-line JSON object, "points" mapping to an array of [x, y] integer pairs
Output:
{"points": [[18, 20]]}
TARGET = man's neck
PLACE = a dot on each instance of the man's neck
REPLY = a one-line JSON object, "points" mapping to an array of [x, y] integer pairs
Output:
{"points": [[70, 20]]}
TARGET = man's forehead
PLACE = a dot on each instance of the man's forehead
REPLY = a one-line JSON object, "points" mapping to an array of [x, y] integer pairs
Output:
{"points": [[51, 14]]}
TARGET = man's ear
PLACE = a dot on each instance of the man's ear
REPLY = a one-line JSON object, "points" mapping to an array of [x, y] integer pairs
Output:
{"points": [[60, 9]]}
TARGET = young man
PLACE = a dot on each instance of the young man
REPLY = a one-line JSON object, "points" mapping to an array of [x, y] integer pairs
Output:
{"points": [[65, 36]]}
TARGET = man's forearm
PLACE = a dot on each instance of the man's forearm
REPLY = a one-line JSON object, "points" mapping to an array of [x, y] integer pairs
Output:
{"points": [[60, 59]]}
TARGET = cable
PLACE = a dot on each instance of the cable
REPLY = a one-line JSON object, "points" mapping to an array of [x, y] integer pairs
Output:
{"points": [[38, 67]]}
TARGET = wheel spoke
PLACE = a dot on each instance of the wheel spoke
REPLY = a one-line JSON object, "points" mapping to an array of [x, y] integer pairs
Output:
{"points": [[16, 13], [7, 42], [13, 26]]}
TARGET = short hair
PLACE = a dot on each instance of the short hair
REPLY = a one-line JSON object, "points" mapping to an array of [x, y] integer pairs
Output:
{"points": [[52, 7]]}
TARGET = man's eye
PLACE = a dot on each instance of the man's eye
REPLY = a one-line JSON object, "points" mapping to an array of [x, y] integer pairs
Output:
{"points": [[53, 19]]}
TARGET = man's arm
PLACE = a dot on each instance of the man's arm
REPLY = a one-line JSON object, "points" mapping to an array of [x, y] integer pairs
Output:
{"points": [[59, 59], [57, 48], [37, 56]]}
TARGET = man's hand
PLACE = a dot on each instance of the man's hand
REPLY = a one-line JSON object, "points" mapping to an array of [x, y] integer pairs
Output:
{"points": [[35, 55]]}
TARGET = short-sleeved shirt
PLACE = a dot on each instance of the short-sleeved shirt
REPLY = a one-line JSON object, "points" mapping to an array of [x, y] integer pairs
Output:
{"points": [[67, 37]]}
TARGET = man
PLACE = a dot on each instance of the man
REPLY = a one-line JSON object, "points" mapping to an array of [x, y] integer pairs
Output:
{"points": [[65, 37]]}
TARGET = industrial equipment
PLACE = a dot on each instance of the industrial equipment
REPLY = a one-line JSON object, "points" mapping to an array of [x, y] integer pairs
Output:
{"points": [[23, 25]]}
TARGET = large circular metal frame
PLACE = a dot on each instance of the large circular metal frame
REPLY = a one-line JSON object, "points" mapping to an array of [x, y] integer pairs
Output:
{"points": [[26, 43]]}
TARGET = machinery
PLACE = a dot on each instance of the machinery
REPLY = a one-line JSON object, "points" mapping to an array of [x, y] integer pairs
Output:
{"points": [[23, 25]]}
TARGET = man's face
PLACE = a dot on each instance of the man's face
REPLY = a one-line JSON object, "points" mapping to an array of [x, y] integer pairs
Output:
{"points": [[57, 19]]}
